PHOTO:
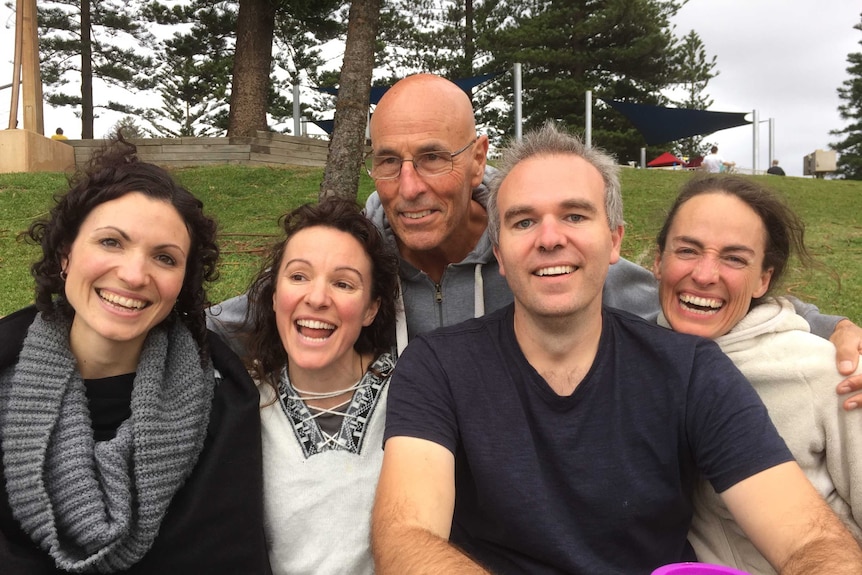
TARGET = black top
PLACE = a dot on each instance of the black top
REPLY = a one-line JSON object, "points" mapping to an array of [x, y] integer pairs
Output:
{"points": [[215, 521], [110, 403]]}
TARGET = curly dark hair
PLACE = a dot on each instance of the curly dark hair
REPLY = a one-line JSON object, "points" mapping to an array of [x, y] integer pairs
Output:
{"points": [[265, 353], [112, 173], [785, 231]]}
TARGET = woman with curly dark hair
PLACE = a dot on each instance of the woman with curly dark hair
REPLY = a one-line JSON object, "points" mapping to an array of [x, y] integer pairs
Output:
{"points": [[322, 327], [128, 433]]}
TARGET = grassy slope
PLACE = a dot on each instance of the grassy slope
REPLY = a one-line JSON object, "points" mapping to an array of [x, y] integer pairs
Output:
{"points": [[247, 202]]}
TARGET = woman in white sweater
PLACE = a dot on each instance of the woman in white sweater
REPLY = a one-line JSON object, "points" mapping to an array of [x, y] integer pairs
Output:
{"points": [[322, 315], [724, 247]]}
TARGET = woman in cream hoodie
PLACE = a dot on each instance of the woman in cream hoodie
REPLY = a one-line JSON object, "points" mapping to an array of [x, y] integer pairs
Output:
{"points": [[723, 248]]}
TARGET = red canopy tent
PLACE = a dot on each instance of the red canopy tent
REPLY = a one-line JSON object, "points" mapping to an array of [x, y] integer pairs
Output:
{"points": [[666, 159]]}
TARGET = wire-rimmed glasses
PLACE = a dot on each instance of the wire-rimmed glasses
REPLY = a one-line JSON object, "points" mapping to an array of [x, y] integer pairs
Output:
{"points": [[434, 163]]}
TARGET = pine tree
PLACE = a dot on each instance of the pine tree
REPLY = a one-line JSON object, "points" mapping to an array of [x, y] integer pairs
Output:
{"points": [[850, 148], [437, 36], [694, 70], [619, 49], [92, 43], [193, 79], [128, 127], [295, 28], [205, 55]]}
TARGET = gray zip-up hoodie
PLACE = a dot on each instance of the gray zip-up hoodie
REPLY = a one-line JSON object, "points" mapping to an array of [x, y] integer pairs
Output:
{"points": [[470, 288]]}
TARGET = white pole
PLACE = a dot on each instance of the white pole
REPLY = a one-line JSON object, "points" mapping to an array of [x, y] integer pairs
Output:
{"points": [[588, 120], [771, 141], [297, 127], [368, 124], [643, 158], [755, 152], [518, 119]]}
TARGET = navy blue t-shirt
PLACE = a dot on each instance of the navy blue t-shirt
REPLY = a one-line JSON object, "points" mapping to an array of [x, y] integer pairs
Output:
{"points": [[596, 482]]}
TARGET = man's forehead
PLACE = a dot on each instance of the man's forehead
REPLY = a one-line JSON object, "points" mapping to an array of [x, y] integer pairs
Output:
{"points": [[565, 170], [410, 145], [552, 179], [408, 125]]}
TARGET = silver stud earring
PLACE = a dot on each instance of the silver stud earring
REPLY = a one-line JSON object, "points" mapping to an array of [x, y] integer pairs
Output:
{"points": [[63, 275]]}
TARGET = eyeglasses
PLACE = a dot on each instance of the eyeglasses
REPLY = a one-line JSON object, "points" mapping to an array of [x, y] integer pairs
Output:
{"points": [[426, 164]]}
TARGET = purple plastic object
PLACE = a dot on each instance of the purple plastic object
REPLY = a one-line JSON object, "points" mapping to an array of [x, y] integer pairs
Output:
{"points": [[697, 569]]}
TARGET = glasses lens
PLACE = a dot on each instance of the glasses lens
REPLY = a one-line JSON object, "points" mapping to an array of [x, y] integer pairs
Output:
{"points": [[383, 167], [433, 163]]}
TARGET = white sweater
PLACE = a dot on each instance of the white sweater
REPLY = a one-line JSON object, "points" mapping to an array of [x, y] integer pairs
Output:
{"points": [[795, 375], [317, 508]]}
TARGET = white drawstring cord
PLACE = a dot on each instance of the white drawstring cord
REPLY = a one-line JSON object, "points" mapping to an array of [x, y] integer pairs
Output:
{"points": [[478, 292], [400, 321]]}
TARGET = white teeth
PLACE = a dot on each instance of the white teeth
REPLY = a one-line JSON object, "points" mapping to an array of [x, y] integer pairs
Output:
{"points": [[416, 215], [314, 324], [122, 301], [555, 271], [701, 302]]}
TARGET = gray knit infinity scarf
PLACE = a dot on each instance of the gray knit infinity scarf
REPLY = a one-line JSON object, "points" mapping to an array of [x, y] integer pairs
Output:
{"points": [[97, 507]]}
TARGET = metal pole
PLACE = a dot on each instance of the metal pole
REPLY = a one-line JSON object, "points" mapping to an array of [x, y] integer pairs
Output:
{"points": [[588, 120], [297, 125], [756, 143], [643, 158], [771, 141], [518, 119]]}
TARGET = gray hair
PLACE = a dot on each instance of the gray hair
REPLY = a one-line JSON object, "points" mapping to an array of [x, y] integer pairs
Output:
{"points": [[550, 140]]}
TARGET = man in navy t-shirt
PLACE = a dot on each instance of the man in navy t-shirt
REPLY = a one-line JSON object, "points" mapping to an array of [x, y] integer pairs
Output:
{"points": [[558, 436]]}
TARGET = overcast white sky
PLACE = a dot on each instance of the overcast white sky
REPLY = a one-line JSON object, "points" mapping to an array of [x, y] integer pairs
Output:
{"points": [[784, 58]]}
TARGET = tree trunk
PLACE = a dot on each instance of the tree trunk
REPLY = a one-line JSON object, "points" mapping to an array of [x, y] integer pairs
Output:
{"points": [[347, 144], [251, 68], [86, 72]]}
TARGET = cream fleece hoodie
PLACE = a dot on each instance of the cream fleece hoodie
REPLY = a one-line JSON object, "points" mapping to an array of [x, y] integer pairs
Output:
{"points": [[795, 375]]}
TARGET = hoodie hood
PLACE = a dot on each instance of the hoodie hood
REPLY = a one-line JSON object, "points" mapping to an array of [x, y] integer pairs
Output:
{"points": [[482, 254], [772, 315], [468, 289]]}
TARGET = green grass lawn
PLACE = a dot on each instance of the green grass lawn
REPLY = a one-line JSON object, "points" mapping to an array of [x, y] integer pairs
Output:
{"points": [[247, 202]]}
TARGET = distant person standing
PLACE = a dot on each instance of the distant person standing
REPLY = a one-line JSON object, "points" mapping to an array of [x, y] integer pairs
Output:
{"points": [[713, 163], [58, 135], [775, 169]]}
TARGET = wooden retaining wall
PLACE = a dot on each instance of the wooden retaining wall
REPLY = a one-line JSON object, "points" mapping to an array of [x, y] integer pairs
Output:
{"points": [[266, 149]]}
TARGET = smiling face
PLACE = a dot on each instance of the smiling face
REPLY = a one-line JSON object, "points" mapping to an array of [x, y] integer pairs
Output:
{"points": [[555, 244], [125, 270], [711, 266], [423, 114], [322, 299]]}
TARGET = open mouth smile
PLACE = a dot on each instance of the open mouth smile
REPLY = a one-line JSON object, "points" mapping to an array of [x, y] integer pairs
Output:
{"points": [[700, 305], [314, 330], [416, 215], [555, 271], [121, 302]]}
